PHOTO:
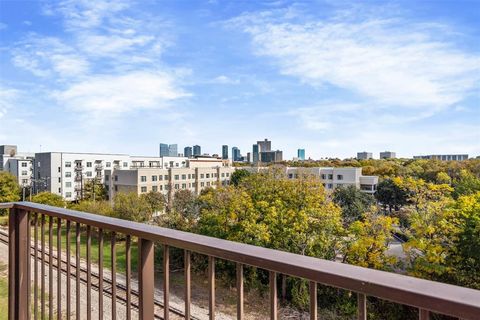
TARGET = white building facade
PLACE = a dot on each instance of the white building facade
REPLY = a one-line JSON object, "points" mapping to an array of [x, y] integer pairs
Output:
{"points": [[330, 177]]}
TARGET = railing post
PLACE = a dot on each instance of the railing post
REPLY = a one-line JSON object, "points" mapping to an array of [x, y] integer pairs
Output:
{"points": [[145, 279], [19, 260]]}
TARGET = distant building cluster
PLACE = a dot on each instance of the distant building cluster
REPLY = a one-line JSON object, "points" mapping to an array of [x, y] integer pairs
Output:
{"points": [[444, 157], [66, 173]]}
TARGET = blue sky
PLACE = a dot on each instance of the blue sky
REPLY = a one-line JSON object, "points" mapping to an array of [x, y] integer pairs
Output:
{"points": [[333, 77]]}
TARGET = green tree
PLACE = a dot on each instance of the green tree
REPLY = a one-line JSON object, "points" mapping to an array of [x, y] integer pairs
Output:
{"points": [[467, 242], [50, 199], [101, 207], [9, 189], [155, 201], [432, 235], [130, 206], [238, 175], [368, 240], [391, 195], [93, 189], [354, 203], [467, 183]]}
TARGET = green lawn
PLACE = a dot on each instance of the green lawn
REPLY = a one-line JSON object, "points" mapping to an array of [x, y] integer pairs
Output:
{"points": [[3, 292], [120, 246]]}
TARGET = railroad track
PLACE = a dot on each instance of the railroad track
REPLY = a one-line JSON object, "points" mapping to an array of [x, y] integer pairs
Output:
{"points": [[107, 283]]}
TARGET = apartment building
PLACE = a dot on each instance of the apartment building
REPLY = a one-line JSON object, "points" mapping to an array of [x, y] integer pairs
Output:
{"points": [[65, 173], [388, 155], [444, 157], [198, 173], [18, 164], [331, 177], [364, 155]]}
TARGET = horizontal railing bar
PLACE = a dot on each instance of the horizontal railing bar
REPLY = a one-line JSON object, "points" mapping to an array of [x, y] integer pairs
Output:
{"points": [[434, 296]]}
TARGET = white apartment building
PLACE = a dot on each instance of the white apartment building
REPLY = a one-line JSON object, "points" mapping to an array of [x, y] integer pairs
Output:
{"points": [[197, 174], [65, 173], [18, 164], [331, 177]]}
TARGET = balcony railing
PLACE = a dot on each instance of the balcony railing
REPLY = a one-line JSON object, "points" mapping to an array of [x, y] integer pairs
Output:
{"points": [[427, 296]]}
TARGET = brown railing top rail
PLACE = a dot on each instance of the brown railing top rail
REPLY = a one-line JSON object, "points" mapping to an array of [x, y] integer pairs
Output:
{"points": [[434, 296]]}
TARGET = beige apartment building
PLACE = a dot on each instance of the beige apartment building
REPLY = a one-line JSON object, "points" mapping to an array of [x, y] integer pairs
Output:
{"points": [[330, 177], [197, 174]]}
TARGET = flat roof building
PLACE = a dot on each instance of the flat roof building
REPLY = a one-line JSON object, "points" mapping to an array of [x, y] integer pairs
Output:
{"points": [[444, 157], [364, 155], [388, 155]]}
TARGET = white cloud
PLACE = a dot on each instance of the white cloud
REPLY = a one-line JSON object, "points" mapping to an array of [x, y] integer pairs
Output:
{"points": [[88, 14], [390, 61], [108, 64], [121, 93], [7, 99], [223, 79], [48, 56]]}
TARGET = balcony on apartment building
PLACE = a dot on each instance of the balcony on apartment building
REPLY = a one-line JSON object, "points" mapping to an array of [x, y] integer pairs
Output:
{"points": [[29, 293]]}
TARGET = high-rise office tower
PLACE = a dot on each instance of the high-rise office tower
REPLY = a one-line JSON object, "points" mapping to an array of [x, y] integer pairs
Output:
{"points": [[301, 154], [197, 150], [236, 156], [255, 153], [173, 150], [187, 152], [163, 150], [224, 151], [265, 145]]}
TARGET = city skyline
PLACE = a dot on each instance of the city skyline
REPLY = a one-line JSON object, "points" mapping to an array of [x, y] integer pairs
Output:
{"points": [[122, 77]]}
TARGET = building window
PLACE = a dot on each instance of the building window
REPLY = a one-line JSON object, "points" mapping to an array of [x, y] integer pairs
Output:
{"points": [[176, 164], [24, 164], [24, 173], [189, 176], [160, 177], [208, 183], [89, 173], [67, 164], [330, 186], [228, 174], [143, 178], [324, 176], [184, 186], [24, 181], [161, 187], [339, 177], [290, 175], [208, 175], [184, 176], [89, 164], [202, 176], [177, 177], [154, 178], [155, 189], [59, 180], [107, 177], [68, 174], [59, 169], [108, 164], [68, 184], [166, 177], [202, 184], [330, 176], [144, 189], [116, 178], [68, 194], [193, 176], [116, 188], [125, 164], [177, 186], [223, 174]]}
